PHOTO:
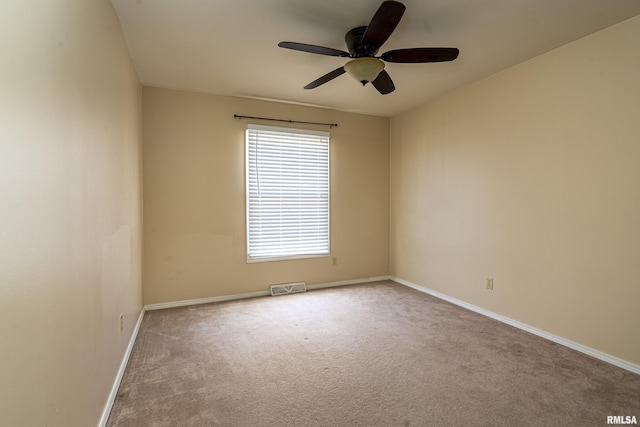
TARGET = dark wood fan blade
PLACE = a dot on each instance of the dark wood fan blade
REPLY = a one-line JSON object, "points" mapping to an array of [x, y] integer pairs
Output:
{"points": [[421, 54], [382, 24], [320, 50], [383, 83], [327, 77]]}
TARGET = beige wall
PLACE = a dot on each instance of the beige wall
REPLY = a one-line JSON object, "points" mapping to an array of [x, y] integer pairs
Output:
{"points": [[70, 209], [531, 177], [194, 197]]}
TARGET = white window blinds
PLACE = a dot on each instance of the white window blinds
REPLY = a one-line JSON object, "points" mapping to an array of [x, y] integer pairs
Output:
{"points": [[287, 193]]}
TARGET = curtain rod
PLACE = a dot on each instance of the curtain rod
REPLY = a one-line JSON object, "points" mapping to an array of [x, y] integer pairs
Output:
{"points": [[331, 125]]}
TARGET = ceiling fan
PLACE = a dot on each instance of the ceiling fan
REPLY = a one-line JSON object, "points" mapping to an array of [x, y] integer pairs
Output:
{"points": [[363, 44]]}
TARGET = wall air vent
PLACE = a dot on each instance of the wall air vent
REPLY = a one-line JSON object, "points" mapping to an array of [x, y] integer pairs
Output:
{"points": [[288, 288]]}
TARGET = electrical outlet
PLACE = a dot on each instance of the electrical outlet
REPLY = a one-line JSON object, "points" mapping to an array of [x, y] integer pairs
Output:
{"points": [[490, 284], [121, 322]]}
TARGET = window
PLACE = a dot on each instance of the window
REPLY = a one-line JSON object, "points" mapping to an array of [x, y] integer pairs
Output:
{"points": [[287, 193]]}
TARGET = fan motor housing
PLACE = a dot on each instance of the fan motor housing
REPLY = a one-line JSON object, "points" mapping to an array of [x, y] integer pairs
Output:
{"points": [[353, 39]]}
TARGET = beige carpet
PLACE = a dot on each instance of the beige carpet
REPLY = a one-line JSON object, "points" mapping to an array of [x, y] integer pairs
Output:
{"points": [[378, 354]]}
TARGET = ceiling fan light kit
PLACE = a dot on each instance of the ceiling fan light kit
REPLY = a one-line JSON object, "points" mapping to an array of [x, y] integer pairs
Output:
{"points": [[363, 44], [364, 69]]}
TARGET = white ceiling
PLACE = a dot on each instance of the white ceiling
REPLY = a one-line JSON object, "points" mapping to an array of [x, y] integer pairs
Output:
{"points": [[229, 47]]}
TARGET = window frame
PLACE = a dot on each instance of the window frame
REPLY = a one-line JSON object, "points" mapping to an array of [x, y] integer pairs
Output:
{"points": [[284, 257]]}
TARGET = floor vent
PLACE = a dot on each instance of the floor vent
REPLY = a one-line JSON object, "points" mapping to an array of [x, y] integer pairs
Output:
{"points": [[288, 288]]}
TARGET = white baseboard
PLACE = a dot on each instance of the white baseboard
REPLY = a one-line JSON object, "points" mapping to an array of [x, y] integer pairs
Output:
{"points": [[116, 384], [551, 337], [183, 303], [348, 282]]}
